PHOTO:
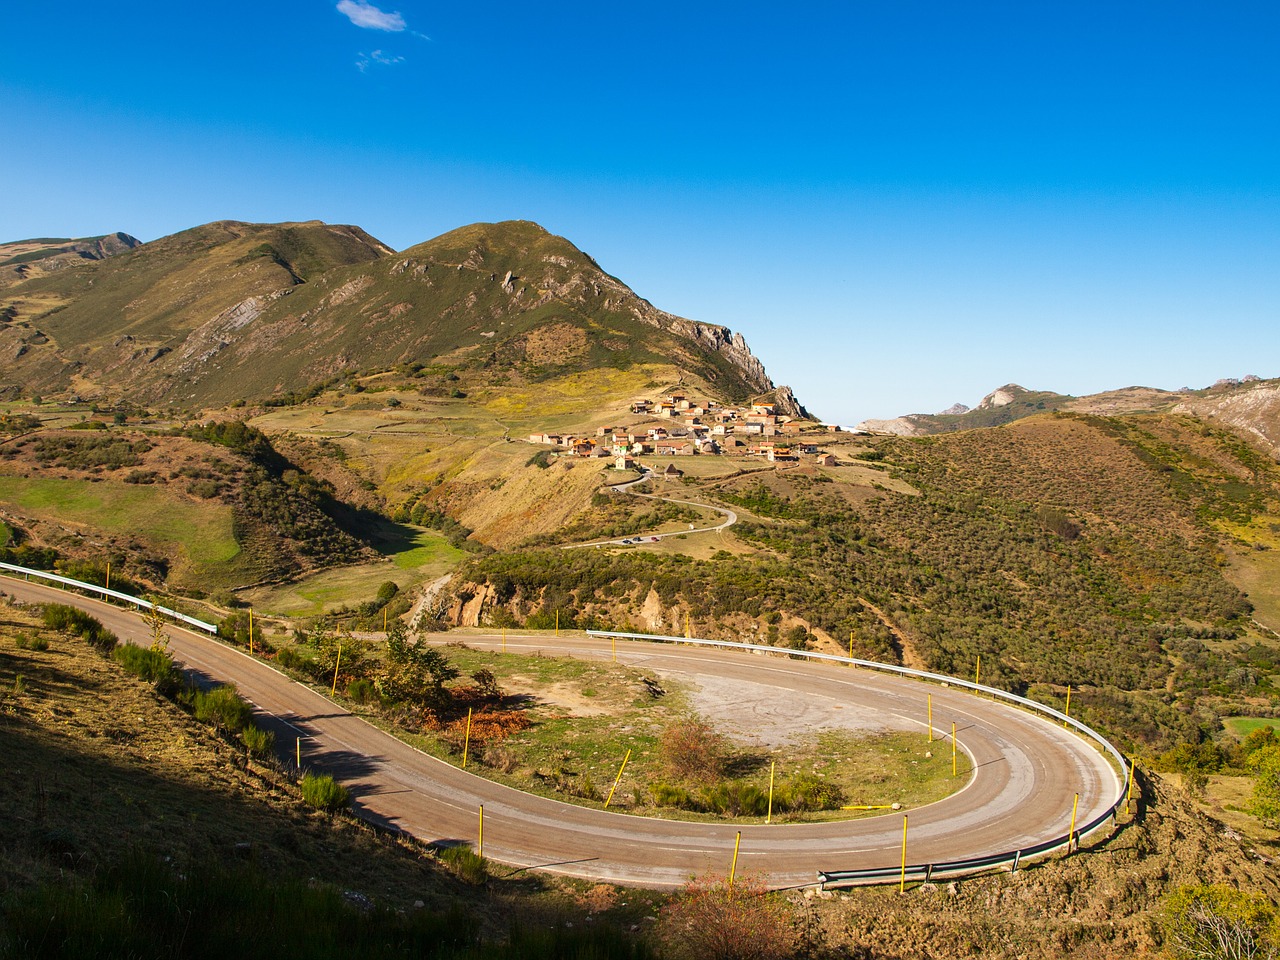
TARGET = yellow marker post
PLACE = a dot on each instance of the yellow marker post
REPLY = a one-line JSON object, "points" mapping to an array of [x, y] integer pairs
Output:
{"points": [[480, 838], [336, 664], [977, 671], [617, 780], [931, 718], [466, 740], [108, 583], [769, 816], [733, 869], [850, 646], [299, 754], [1067, 711], [1128, 797], [902, 880], [953, 748], [1071, 836], [251, 631]]}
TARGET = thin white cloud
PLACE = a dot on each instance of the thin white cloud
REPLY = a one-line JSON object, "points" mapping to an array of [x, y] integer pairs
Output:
{"points": [[364, 14], [379, 57]]}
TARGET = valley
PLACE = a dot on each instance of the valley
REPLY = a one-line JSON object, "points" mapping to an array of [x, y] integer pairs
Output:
{"points": [[298, 421]]}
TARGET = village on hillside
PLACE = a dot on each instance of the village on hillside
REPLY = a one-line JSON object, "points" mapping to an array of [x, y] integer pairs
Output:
{"points": [[678, 426]]}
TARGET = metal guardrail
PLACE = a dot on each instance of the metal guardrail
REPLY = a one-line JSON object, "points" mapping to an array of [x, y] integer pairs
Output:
{"points": [[951, 868], [114, 594]]}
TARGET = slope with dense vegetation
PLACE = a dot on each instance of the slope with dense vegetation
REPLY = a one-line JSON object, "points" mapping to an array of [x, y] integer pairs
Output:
{"points": [[1064, 550]]}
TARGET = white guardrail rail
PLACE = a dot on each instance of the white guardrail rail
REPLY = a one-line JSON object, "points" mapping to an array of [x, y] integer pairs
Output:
{"points": [[114, 594], [951, 869]]}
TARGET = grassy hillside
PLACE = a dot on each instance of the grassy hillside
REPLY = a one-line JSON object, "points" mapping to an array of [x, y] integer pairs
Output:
{"points": [[198, 511], [232, 311]]}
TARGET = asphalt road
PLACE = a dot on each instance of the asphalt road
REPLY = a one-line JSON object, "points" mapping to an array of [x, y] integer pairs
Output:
{"points": [[730, 518], [1027, 770]]}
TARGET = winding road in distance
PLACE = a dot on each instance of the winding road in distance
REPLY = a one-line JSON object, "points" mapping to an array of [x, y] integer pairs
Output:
{"points": [[1027, 769]]}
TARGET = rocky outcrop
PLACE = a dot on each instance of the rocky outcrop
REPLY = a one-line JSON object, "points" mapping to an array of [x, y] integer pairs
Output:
{"points": [[788, 405], [899, 426], [1002, 397], [955, 410]]}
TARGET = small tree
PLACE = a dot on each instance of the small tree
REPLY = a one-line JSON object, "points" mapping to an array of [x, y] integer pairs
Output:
{"points": [[1265, 802], [414, 672]]}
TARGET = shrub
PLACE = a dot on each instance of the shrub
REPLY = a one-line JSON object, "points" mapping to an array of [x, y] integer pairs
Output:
{"points": [[71, 620], [466, 864], [324, 793], [692, 750], [223, 708], [1218, 921], [712, 919], [29, 641], [290, 659], [259, 742], [150, 664]]}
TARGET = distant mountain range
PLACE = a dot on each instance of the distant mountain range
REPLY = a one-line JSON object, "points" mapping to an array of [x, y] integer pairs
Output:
{"points": [[235, 311], [1249, 404]]}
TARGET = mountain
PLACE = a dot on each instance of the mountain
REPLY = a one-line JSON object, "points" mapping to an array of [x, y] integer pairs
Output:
{"points": [[27, 259], [1250, 405], [232, 311]]}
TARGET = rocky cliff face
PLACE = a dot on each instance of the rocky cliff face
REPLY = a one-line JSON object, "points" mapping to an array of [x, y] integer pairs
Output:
{"points": [[1253, 411]]}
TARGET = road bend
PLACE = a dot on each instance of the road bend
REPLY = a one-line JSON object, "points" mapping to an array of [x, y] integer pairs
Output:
{"points": [[1026, 774]]}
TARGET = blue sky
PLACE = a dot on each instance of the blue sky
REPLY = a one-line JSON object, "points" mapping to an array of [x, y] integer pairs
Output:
{"points": [[900, 204]]}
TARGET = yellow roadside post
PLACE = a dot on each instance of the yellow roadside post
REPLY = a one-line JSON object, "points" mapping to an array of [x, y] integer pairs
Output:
{"points": [[1071, 837], [850, 646], [617, 780], [108, 583], [977, 671], [733, 869], [466, 740], [1128, 797], [931, 718], [902, 880], [1067, 711], [299, 754], [480, 838], [337, 663], [953, 748], [769, 816], [251, 631]]}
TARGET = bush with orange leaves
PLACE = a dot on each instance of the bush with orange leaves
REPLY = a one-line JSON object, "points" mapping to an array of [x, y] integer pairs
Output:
{"points": [[713, 919], [487, 726]]}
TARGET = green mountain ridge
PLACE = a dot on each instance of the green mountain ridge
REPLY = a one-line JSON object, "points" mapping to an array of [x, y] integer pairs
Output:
{"points": [[231, 311]]}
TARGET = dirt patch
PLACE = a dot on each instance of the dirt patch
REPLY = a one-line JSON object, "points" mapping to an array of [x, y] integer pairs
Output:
{"points": [[565, 698], [760, 715]]}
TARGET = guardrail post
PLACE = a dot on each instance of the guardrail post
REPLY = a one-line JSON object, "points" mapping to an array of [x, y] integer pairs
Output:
{"points": [[1017, 857]]}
